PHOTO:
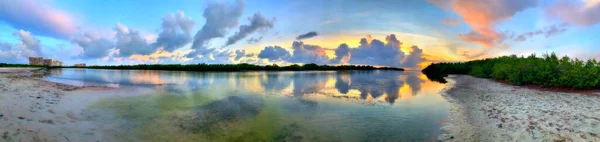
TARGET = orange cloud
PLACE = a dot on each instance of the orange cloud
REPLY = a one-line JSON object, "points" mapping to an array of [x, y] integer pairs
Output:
{"points": [[482, 16], [154, 57], [450, 22]]}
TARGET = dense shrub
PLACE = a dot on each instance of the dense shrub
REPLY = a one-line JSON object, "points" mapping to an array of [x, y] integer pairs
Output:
{"points": [[547, 70]]}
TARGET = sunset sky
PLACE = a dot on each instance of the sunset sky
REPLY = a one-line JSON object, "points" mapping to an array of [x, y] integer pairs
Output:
{"points": [[400, 33]]}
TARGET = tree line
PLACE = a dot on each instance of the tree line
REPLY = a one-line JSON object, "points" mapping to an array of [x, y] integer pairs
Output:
{"points": [[5, 65], [239, 67], [548, 70]]}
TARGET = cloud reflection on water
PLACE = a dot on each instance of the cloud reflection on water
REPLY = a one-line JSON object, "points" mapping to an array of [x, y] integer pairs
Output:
{"points": [[365, 85]]}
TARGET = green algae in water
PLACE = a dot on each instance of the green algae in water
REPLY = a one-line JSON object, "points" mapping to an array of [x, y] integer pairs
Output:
{"points": [[199, 117], [266, 106]]}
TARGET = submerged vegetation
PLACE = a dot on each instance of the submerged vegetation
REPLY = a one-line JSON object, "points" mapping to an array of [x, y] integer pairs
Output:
{"points": [[241, 67], [205, 115], [548, 70]]}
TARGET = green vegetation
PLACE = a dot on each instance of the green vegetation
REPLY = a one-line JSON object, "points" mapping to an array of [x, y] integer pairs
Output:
{"points": [[212, 114], [548, 70], [4, 65], [221, 67], [239, 67]]}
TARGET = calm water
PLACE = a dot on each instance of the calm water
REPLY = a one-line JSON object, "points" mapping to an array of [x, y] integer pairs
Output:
{"points": [[266, 106]]}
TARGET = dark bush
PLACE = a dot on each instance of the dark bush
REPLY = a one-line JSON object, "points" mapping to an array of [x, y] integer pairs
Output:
{"points": [[547, 70]]}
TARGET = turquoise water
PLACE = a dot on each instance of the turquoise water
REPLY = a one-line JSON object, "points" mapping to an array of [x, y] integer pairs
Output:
{"points": [[266, 106]]}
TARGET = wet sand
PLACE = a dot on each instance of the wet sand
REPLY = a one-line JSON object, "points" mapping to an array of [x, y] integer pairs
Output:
{"points": [[35, 110], [485, 110]]}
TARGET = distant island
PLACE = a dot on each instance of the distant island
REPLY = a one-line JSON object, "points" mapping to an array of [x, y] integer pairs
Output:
{"points": [[546, 71], [222, 67]]}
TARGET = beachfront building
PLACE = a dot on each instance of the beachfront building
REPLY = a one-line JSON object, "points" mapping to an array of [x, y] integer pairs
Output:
{"points": [[80, 65], [38, 61], [56, 63], [47, 62]]}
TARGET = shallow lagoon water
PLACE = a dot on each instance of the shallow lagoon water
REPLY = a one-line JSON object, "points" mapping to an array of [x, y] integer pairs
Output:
{"points": [[265, 106]]}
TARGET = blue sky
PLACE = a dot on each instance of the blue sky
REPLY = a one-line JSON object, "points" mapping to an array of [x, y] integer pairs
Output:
{"points": [[413, 33]]}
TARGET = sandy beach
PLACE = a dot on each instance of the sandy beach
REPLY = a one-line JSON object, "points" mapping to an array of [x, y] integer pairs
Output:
{"points": [[35, 110], [486, 110]]}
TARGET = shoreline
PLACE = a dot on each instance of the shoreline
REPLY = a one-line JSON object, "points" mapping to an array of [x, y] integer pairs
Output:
{"points": [[486, 110], [32, 109], [303, 70]]}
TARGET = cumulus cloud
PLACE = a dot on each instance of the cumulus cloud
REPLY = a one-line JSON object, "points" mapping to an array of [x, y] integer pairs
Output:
{"points": [[29, 45], [252, 40], [220, 17], [242, 53], [414, 58], [274, 53], [342, 54], [176, 31], [5, 47], [377, 52], [487, 15], [305, 53], [257, 22], [37, 17], [217, 57], [7, 54], [94, 47], [583, 13], [130, 42], [239, 54], [369, 52], [546, 31], [302, 53], [307, 35]]}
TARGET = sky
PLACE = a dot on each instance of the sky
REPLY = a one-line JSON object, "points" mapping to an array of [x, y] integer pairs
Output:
{"points": [[407, 33]]}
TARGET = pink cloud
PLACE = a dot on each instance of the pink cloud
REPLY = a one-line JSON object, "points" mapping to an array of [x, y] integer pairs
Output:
{"points": [[37, 17], [583, 13], [451, 22]]}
